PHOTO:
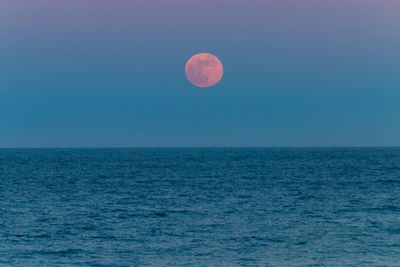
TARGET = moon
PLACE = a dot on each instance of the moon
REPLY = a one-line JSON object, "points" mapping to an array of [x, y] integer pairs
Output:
{"points": [[204, 70]]}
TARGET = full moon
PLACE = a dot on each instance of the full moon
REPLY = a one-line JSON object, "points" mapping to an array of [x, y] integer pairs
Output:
{"points": [[204, 70]]}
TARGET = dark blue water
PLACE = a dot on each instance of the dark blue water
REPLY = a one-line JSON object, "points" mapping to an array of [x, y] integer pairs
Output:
{"points": [[200, 207]]}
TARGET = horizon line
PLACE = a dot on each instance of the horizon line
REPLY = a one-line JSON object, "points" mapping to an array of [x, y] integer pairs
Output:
{"points": [[196, 147]]}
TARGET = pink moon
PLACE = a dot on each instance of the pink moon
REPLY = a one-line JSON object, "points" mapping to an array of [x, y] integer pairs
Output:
{"points": [[204, 70]]}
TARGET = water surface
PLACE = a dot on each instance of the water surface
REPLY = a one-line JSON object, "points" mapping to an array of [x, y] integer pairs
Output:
{"points": [[200, 207]]}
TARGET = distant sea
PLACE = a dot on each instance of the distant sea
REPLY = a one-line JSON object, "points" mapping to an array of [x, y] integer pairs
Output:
{"points": [[200, 207]]}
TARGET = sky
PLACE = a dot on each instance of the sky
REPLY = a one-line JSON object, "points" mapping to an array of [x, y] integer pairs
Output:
{"points": [[102, 73]]}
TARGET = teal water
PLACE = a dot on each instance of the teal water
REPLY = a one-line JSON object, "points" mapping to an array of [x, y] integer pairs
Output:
{"points": [[200, 207]]}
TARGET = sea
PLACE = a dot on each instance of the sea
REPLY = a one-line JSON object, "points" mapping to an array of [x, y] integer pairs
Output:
{"points": [[200, 207]]}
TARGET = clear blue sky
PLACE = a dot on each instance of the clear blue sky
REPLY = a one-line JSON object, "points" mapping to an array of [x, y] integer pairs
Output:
{"points": [[111, 73]]}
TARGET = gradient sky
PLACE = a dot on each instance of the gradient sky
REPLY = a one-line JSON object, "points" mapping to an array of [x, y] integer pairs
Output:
{"points": [[111, 73]]}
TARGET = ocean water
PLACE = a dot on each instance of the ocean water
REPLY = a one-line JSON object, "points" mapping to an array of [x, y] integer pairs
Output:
{"points": [[200, 207]]}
